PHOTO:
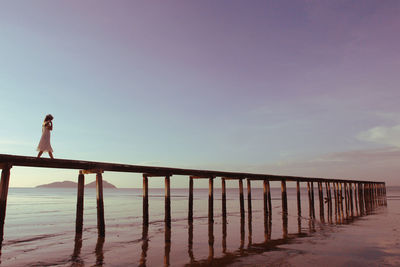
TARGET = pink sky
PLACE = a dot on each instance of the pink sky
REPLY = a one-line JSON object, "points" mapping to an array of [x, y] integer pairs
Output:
{"points": [[289, 87]]}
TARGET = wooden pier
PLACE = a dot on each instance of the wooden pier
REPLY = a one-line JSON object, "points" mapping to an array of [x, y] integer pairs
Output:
{"points": [[350, 197]]}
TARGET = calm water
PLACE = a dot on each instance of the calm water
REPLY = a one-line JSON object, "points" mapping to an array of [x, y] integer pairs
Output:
{"points": [[40, 225]]}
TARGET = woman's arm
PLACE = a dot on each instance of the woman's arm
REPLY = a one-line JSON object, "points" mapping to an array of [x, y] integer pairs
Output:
{"points": [[49, 125]]}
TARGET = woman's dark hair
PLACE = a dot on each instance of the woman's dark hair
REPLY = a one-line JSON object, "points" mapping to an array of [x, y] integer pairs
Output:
{"points": [[49, 117]]}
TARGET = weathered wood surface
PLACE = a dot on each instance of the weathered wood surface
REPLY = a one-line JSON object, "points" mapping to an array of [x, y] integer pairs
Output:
{"points": [[150, 170]]}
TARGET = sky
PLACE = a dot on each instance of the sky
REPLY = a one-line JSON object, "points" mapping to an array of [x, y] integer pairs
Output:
{"points": [[306, 88]]}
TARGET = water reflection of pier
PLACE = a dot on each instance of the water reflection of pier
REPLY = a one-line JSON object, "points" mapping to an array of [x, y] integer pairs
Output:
{"points": [[349, 203], [348, 198]]}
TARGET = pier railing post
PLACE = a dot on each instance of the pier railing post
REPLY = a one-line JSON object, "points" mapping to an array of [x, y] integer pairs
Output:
{"points": [[100, 204], [79, 204], [4, 183]]}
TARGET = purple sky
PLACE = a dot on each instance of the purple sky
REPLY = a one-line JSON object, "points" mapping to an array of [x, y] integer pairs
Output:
{"points": [[306, 88]]}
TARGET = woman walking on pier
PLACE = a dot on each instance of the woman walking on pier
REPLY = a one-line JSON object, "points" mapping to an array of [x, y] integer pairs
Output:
{"points": [[44, 144]]}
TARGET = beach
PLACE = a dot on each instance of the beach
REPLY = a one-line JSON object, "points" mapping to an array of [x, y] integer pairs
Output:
{"points": [[40, 231]]}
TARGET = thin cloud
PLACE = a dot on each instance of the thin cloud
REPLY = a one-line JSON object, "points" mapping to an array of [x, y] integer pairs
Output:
{"points": [[14, 142], [382, 135]]}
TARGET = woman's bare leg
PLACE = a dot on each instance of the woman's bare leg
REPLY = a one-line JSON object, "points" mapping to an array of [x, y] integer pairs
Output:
{"points": [[39, 154], [51, 155]]}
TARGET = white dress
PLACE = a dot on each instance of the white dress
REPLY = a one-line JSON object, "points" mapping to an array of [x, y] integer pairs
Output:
{"points": [[44, 144]]}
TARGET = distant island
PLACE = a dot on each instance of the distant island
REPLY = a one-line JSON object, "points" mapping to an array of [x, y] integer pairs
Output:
{"points": [[70, 184]]}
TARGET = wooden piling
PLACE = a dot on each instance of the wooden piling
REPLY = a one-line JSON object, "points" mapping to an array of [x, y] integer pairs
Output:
{"points": [[100, 204], [211, 200], [4, 183], [167, 244], [329, 201], [321, 201], [210, 242], [269, 200], [99, 251], [167, 217], [284, 198], [190, 215], [341, 198], [356, 198], [366, 196], [284, 209], [265, 198], [361, 197], [336, 199], [312, 200], [145, 200], [242, 231], [346, 199], [384, 192], [309, 199], [298, 198], [241, 198], [249, 210], [223, 198], [351, 200], [190, 242], [224, 234], [145, 246], [79, 204]]}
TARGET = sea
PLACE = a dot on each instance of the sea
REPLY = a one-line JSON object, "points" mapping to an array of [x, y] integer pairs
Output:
{"points": [[40, 231]]}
